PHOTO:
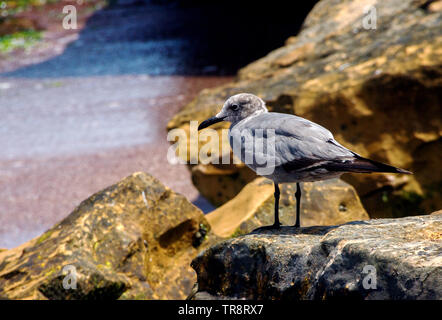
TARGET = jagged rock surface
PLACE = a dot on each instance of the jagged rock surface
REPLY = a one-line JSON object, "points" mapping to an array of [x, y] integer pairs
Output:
{"points": [[404, 256], [132, 240]]}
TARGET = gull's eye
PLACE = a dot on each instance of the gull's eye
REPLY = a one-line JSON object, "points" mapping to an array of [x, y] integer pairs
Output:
{"points": [[234, 107]]}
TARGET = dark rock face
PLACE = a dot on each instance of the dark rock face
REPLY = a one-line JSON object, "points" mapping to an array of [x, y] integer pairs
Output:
{"points": [[378, 90], [376, 259], [132, 240]]}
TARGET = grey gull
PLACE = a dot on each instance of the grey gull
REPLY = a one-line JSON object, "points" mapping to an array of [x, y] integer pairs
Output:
{"points": [[287, 148]]}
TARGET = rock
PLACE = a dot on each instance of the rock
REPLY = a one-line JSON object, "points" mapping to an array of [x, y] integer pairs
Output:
{"points": [[220, 184], [378, 90], [132, 240], [434, 6], [375, 259], [328, 202]]}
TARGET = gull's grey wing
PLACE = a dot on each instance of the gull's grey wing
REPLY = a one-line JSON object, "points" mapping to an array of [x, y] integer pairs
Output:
{"points": [[298, 143]]}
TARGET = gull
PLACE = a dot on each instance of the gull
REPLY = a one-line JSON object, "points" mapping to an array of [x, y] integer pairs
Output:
{"points": [[294, 149]]}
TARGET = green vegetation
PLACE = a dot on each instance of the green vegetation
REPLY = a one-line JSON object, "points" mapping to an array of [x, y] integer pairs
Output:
{"points": [[17, 31], [404, 203], [19, 40], [44, 236], [10, 8], [238, 232], [200, 235], [409, 203]]}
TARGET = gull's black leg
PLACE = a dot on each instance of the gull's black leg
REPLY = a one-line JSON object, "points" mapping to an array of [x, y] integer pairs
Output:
{"points": [[276, 194], [298, 205], [276, 224]]}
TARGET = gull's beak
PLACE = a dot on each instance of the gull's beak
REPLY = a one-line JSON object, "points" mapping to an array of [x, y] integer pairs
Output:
{"points": [[209, 122]]}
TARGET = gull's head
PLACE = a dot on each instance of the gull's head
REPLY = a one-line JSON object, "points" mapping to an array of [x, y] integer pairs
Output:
{"points": [[237, 108]]}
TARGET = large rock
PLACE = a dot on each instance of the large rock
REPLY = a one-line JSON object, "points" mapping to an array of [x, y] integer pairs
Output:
{"points": [[327, 202], [133, 240], [375, 259], [378, 90]]}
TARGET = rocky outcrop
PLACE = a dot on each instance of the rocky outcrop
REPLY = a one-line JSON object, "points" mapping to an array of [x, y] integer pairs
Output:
{"points": [[375, 85], [133, 240], [375, 259], [329, 202]]}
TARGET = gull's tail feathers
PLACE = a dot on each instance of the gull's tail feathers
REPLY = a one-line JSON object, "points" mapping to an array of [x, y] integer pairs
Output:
{"points": [[363, 165]]}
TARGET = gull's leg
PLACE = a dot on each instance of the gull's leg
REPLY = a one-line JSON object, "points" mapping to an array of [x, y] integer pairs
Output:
{"points": [[298, 205], [276, 224], [276, 194]]}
